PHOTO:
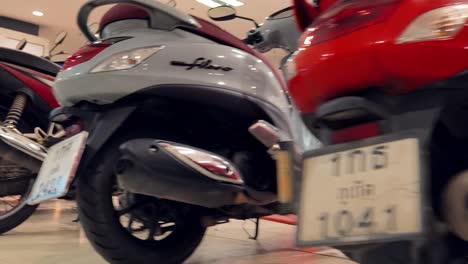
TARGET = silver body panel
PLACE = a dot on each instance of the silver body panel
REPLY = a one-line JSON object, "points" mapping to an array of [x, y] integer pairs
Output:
{"points": [[278, 33], [250, 75]]}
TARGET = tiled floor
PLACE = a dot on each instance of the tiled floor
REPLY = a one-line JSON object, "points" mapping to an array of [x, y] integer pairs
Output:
{"points": [[50, 237]]}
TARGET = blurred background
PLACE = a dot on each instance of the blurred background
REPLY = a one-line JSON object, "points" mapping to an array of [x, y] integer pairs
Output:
{"points": [[39, 22]]}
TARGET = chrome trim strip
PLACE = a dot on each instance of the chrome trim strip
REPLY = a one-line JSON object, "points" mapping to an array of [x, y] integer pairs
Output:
{"points": [[22, 143], [217, 161]]}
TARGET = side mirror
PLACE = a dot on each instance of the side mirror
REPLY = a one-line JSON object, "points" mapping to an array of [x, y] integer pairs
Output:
{"points": [[60, 38], [225, 13], [21, 44], [283, 13], [222, 13]]}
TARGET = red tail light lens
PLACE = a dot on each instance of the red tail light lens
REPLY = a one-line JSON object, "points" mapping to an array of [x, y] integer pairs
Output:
{"points": [[355, 133], [85, 54], [348, 16]]}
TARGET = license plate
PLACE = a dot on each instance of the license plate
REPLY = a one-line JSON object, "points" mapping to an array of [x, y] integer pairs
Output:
{"points": [[58, 170], [361, 194]]}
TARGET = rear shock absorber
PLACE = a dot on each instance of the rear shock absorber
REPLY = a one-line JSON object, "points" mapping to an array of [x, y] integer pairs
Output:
{"points": [[16, 110]]}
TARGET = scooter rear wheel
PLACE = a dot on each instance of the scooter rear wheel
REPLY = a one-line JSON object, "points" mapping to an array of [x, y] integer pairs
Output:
{"points": [[175, 232]]}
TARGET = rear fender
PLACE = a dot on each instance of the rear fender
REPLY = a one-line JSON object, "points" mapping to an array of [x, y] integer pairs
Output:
{"points": [[105, 122], [231, 100], [101, 124]]}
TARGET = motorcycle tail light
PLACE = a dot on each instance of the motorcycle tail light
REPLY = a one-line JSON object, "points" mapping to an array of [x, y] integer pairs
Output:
{"points": [[126, 60], [438, 24], [85, 54], [90, 51], [355, 133], [348, 16]]}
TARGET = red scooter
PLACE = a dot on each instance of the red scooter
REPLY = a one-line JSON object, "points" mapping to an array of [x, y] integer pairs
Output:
{"points": [[25, 102], [383, 84]]}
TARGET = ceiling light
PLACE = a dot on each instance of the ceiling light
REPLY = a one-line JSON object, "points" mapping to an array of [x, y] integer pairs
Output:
{"points": [[209, 3], [232, 2], [216, 3], [38, 13]]}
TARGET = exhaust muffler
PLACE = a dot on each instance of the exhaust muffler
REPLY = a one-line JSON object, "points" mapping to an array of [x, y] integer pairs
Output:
{"points": [[182, 173], [21, 150]]}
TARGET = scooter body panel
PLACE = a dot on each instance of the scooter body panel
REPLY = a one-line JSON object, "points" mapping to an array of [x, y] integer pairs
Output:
{"points": [[241, 71], [371, 57]]}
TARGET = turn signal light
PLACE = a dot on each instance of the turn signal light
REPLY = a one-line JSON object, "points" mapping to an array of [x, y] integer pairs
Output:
{"points": [[348, 16]]}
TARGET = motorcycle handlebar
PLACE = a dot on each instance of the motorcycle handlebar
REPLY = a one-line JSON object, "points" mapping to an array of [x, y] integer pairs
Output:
{"points": [[248, 41], [254, 37], [168, 17]]}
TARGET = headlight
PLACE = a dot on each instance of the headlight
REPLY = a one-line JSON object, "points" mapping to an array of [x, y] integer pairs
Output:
{"points": [[126, 60], [289, 68], [438, 24]]}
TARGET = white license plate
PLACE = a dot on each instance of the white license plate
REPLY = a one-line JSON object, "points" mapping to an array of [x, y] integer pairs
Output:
{"points": [[58, 170], [361, 195]]}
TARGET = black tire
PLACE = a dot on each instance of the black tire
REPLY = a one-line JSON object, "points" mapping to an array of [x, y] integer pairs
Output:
{"points": [[107, 235], [16, 219], [390, 253], [15, 185], [14, 181], [448, 159]]}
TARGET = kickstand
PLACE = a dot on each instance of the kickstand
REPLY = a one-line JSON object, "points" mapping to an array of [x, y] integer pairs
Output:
{"points": [[257, 229], [77, 219]]}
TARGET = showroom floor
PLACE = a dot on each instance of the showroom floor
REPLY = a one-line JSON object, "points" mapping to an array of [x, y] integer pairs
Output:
{"points": [[50, 237]]}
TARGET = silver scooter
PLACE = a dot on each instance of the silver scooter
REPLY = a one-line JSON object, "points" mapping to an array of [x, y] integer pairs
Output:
{"points": [[173, 125]]}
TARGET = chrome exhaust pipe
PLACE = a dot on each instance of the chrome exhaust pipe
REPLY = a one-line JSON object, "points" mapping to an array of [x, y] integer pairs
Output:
{"points": [[182, 173], [208, 164], [21, 150]]}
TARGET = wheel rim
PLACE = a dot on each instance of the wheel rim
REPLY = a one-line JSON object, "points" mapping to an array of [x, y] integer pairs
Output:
{"points": [[145, 218], [10, 205], [9, 172]]}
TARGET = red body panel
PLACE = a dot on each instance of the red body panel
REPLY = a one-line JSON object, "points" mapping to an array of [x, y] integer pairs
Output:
{"points": [[40, 88], [370, 58]]}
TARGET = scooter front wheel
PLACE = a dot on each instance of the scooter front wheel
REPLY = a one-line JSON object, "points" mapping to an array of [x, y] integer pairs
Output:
{"points": [[130, 228]]}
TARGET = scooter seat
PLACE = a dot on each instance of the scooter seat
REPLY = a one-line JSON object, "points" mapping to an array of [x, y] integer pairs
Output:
{"points": [[29, 61], [208, 30]]}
